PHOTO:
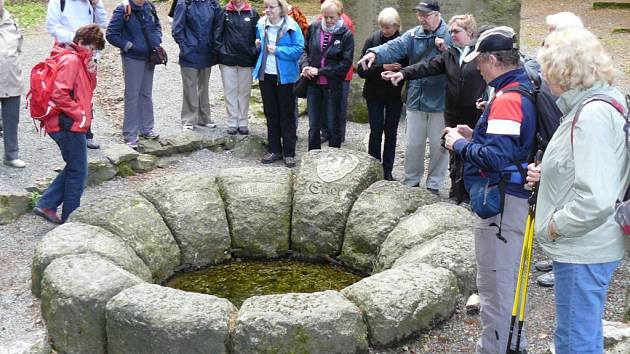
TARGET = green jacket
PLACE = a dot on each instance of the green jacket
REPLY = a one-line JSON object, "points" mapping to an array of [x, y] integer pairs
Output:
{"points": [[581, 182]]}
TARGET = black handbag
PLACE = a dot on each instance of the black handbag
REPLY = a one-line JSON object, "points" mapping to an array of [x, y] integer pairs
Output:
{"points": [[158, 56], [301, 87]]}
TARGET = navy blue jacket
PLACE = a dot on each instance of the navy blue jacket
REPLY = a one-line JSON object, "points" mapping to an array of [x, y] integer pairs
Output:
{"points": [[128, 36], [193, 30], [504, 133]]}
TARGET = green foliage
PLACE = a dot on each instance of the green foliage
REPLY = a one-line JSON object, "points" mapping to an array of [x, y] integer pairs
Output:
{"points": [[621, 30], [28, 14], [34, 198], [599, 5]]}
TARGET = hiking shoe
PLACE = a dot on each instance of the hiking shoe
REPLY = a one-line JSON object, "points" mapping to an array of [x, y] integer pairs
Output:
{"points": [[543, 266], [47, 214], [289, 161], [243, 131], [433, 191], [150, 135], [208, 125], [271, 157], [389, 176], [546, 280], [132, 143], [92, 145], [186, 128], [17, 163], [232, 131]]}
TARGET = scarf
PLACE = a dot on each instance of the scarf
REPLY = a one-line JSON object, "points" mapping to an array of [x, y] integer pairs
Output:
{"points": [[334, 28]]}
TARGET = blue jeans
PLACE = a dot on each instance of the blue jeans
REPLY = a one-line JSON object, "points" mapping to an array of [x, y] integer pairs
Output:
{"points": [[68, 187], [580, 294], [384, 117], [322, 106]]}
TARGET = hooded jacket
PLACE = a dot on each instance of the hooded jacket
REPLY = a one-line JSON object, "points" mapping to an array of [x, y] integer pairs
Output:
{"points": [[62, 25], [504, 134], [10, 51], [289, 49], [464, 84], [425, 94], [235, 36], [581, 182], [73, 88], [338, 56], [193, 30], [128, 36]]}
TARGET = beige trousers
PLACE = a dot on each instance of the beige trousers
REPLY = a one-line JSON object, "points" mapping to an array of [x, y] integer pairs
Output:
{"points": [[237, 87], [196, 100]]}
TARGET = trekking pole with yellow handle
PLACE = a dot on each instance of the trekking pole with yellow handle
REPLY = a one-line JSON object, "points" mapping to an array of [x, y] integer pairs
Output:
{"points": [[520, 293]]}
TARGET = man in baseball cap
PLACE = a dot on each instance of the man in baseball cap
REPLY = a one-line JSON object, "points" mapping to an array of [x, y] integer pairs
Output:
{"points": [[493, 40], [502, 138], [428, 6]]}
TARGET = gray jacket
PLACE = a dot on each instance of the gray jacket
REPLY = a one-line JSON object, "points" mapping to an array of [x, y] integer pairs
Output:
{"points": [[580, 182], [10, 51], [426, 94]]}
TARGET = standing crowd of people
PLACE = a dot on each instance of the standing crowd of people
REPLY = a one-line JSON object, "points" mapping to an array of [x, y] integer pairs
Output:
{"points": [[464, 93]]}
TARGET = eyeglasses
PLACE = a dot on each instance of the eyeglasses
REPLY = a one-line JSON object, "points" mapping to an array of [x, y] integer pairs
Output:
{"points": [[455, 31], [270, 7], [425, 15]]}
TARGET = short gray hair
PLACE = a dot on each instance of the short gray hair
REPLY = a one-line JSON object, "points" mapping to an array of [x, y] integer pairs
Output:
{"points": [[563, 20]]}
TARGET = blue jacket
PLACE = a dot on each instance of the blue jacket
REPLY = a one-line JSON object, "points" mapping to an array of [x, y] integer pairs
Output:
{"points": [[289, 49], [426, 94], [193, 31], [128, 36], [504, 133]]}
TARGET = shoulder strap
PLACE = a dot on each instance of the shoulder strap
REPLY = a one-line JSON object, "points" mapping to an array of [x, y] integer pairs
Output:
{"points": [[604, 98], [62, 4], [522, 90]]}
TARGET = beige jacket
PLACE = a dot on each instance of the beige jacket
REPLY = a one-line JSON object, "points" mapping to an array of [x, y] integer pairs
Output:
{"points": [[10, 50]]}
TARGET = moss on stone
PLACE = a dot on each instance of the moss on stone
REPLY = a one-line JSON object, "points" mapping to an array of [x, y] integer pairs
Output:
{"points": [[125, 169], [621, 30], [358, 113]]}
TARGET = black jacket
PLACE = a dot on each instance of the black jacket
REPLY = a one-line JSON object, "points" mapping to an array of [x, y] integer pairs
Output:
{"points": [[464, 85], [235, 38], [338, 56], [376, 88]]}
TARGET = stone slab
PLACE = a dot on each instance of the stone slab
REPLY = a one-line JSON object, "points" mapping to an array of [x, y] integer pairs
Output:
{"points": [[149, 318], [324, 322], [194, 212], [75, 290], [258, 207], [328, 183]]}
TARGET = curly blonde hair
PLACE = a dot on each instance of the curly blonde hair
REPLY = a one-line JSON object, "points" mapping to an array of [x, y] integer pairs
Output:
{"points": [[575, 59], [466, 21]]}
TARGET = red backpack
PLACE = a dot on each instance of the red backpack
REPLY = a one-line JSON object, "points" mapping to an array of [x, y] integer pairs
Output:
{"points": [[43, 77]]}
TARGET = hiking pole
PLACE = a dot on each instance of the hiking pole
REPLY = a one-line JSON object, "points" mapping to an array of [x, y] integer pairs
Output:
{"points": [[524, 268]]}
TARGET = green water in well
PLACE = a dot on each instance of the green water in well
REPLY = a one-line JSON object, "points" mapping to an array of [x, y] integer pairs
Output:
{"points": [[238, 281]]}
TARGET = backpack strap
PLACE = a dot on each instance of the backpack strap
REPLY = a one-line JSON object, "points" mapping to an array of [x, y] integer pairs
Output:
{"points": [[604, 98], [62, 4]]}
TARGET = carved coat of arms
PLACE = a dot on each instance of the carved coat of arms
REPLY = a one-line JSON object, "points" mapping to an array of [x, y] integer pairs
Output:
{"points": [[333, 167]]}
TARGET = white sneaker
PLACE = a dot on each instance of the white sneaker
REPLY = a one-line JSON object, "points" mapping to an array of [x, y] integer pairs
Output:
{"points": [[187, 127], [209, 125], [17, 163]]}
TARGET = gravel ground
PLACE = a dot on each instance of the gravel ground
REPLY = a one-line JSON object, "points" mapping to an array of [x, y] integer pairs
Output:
{"points": [[20, 318]]}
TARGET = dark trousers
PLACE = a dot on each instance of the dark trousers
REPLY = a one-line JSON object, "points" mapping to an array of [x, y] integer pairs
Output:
{"points": [[279, 107], [10, 119], [456, 165], [323, 105], [68, 187], [343, 112], [384, 117]]}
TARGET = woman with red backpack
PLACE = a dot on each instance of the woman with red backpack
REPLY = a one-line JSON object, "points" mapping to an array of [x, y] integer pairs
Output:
{"points": [[72, 98]]}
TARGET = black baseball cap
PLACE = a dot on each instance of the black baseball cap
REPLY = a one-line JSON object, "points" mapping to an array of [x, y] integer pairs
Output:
{"points": [[427, 6], [493, 40]]}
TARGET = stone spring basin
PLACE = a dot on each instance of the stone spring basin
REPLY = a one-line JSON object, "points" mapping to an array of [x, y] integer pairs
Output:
{"points": [[98, 276]]}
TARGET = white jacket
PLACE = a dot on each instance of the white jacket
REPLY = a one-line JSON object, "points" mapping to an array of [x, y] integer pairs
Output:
{"points": [[76, 13], [10, 51]]}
